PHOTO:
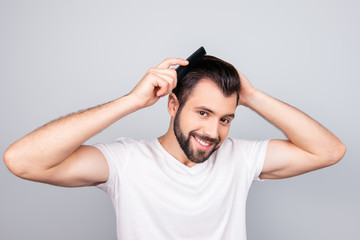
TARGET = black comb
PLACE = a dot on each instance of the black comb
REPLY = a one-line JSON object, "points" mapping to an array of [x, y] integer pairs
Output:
{"points": [[193, 60]]}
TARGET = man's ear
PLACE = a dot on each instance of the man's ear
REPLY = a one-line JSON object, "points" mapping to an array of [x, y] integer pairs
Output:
{"points": [[173, 104]]}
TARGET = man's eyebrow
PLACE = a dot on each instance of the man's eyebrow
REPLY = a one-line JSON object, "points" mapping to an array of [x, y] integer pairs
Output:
{"points": [[230, 115], [204, 108]]}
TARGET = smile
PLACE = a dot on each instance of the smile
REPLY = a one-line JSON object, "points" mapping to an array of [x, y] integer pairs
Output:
{"points": [[202, 142]]}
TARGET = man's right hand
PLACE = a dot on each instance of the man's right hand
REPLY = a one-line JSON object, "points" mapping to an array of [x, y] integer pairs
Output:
{"points": [[157, 82]]}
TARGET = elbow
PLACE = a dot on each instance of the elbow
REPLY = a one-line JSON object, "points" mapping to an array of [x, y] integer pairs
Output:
{"points": [[13, 163], [341, 152], [337, 153]]}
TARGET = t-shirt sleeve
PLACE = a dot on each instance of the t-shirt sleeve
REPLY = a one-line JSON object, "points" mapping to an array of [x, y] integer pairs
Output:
{"points": [[252, 156], [258, 154], [116, 156]]}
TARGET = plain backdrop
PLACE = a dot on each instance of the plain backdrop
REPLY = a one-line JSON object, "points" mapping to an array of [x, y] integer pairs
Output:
{"points": [[58, 57]]}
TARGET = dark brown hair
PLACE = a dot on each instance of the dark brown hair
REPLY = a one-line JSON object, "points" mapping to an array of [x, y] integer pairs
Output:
{"points": [[220, 72]]}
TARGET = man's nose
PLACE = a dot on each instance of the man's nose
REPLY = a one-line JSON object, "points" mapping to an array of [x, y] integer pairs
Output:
{"points": [[212, 129]]}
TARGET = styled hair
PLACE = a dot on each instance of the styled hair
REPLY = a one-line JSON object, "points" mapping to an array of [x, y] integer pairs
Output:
{"points": [[222, 73]]}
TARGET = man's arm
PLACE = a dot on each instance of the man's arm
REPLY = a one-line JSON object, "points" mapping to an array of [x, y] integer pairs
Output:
{"points": [[54, 153], [310, 145]]}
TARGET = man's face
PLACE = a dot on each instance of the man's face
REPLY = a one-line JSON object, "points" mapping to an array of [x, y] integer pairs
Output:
{"points": [[203, 123]]}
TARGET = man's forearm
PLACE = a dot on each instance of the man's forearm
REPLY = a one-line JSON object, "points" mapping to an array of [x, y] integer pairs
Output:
{"points": [[50, 144], [303, 131]]}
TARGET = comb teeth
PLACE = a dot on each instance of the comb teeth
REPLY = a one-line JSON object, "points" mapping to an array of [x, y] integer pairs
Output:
{"points": [[193, 60]]}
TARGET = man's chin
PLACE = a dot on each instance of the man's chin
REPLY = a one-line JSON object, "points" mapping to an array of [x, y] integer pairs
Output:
{"points": [[202, 156]]}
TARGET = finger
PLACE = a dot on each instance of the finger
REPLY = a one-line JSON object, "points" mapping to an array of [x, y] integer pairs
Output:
{"points": [[164, 87], [170, 79], [170, 75], [167, 71], [172, 61]]}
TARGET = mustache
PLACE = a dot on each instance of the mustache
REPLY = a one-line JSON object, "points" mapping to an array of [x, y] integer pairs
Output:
{"points": [[206, 138]]}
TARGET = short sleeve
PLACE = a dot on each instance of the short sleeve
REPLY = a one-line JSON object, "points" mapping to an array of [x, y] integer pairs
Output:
{"points": [[258, 154], [116, 156], [249, 156]]}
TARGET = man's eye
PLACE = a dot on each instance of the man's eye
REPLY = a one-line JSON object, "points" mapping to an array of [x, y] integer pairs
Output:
{"points": [[225, 120], [202, 113]]}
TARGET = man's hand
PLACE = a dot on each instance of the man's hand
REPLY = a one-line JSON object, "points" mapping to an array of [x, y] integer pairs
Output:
{"points": [[246, 90], [157, 82]]}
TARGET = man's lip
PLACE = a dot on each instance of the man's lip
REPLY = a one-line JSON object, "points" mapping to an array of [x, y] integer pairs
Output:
{"points": [[202, 147]]}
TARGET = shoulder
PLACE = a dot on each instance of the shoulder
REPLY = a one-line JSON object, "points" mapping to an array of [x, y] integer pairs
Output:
{"points": [[243, 145], [125, 144], [241, 150], [247, 156], [130, 143]]}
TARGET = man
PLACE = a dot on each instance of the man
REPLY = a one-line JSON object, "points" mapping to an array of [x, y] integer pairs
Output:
{"points": [[192, 182]]}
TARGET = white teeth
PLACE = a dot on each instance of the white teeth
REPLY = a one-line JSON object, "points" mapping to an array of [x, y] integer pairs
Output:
{"points": [[205, 144]]}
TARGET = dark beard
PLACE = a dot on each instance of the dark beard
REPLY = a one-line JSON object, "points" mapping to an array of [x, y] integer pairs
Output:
{"points": [[194, 156]]}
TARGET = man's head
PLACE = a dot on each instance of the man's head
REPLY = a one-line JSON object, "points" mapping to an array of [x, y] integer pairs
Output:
{"points": [[206, 102], [222, 73]]}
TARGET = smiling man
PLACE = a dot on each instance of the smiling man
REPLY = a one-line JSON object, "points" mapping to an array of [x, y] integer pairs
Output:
{"points": [[192, 182], [202, 107]]}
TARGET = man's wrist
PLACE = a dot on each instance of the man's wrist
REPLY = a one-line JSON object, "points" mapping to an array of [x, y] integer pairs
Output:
{"points": [[249, 98], [132, 102]]}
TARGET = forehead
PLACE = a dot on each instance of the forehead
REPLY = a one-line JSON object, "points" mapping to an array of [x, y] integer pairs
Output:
{"points": [[206, 93]]}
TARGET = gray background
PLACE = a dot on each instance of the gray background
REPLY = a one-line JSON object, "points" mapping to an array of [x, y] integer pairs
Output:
{"points": [[58, 57]]}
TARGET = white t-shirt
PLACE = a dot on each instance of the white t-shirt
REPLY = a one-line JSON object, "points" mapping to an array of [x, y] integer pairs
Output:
{"points": [[157, 197]]}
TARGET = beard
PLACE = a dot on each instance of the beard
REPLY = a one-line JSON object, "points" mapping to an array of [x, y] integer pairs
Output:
{"points": [[194, 155]]}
